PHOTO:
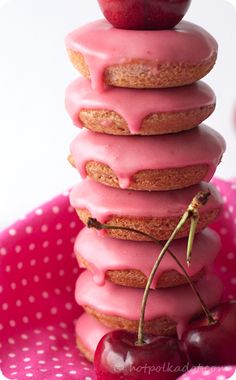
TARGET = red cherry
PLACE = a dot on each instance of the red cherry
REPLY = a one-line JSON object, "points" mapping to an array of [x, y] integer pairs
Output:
{"points": [[213, 345], [119, 357], [144, 14]]}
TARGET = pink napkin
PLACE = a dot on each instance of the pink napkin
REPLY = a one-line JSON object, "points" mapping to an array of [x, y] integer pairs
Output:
{"points": [[38, 271]]}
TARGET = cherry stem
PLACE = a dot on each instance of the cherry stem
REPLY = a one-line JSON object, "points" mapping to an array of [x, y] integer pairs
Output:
{"points": [[192, 212]]}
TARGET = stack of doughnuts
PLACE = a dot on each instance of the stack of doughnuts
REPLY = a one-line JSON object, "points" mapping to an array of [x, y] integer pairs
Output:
{"points": [[143, 154]]}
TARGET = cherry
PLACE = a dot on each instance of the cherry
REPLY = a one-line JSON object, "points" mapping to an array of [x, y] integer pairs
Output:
{"points": [[144, 14], [118, 356], [213, 344]]}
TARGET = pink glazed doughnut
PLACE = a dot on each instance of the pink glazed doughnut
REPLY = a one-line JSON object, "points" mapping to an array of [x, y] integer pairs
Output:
{"points": [[156, 213], [89, 331], [141, 59], [120, 111], [129, 263], [152, 163], [168, 310]]}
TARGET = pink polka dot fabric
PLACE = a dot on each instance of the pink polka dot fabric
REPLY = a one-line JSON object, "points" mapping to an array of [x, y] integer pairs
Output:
{"points": [[38, 271]]}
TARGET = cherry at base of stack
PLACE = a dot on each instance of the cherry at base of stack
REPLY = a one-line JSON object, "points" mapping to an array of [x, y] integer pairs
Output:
{"points": [[152, 163], [167, 312], [129, 263], [155, 213]]}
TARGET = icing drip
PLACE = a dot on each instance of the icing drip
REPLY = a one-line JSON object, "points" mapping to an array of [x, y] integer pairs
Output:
{"points": [[102, 45], [178, 303], [132, 105], [103, 201], [103, 254], [199, 146]]}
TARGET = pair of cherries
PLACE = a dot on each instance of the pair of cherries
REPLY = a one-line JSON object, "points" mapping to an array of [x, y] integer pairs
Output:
{"points": [[118, 356]]}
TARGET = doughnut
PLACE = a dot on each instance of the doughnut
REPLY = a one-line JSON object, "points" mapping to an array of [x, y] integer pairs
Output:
{"points": [[129, 263], [120, 111], [156, 213], [141, 59], [153, 163], [89, 331], [168, 310]]}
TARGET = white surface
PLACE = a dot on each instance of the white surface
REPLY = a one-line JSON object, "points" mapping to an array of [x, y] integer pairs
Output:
{"points": [[35, 130]]}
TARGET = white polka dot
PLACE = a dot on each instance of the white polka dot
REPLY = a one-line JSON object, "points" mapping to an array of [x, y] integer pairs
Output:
{"points": [[223, 231], [55, 209], [18, 248], [55, 359], [68, 306], [1, 326], [31, 299], [41, 362], [12, 323], [63, 325], [25, 319], [224, 198], [72, 372], [3, 251], [45, 295], [40, 352], [70, 209], [46, 259], [58, 226], [5, 306], [206, 373], [52, 337], [221, 377], [26, 360], [8, 268], [48, 275], [19, 265], [39, 315], [231, 209], [228, 368], [59, 256], [68, 355], [25, 349], [18, 303], [11, 341], [66, 348], [12, 232], [223, 269], [13, 366], [230, 256], [36, 278], [59, 375], [24, 336], [61, 272], [50, 328], [39, 343], [57, 366], [28, 367], [44, 228], [37, 331], [24, 281], [54, 348], [69, 289], [39, 211], [57, 291], [72, 225], [11, 355], [53, 310], [45, 244], [13, 285], [29, 229], [59, 242], [233, 281], [32, 246]]}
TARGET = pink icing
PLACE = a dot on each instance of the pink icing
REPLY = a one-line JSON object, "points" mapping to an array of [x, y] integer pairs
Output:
{"points": [[201, 145], [103, 201], [103, 45], [179, 303], [103, 254], [90, 331], [132, 105]]}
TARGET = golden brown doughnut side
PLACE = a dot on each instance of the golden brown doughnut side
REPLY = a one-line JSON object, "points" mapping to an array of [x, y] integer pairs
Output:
{"points": [[136, 279], [160, 326], [154, 124], [160, 228], [150, 179], [89, 356], [147, 74]]}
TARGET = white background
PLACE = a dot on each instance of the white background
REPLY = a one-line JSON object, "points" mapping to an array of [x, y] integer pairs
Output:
{"points": [[35, 130]]}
